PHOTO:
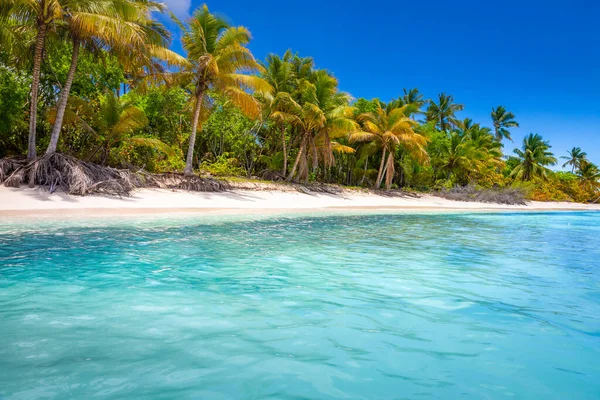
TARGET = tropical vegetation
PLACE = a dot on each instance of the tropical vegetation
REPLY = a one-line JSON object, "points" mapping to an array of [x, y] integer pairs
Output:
{"points": [[96, 81]]}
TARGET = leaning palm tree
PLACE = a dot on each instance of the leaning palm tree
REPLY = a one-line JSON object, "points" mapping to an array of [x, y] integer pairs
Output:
{"points": [[534, 157], [443, 112], [125, 26], [217, 58], [575, 158], [390, 128], [503, 120]]}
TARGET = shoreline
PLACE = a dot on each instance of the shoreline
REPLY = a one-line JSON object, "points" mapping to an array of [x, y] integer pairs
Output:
{"points": [[25, 202]]}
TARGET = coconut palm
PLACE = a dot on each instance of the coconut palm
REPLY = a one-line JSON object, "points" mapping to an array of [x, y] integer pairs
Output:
{"points": [[503, 120], [217, 56], [117, 122], [279, 105], [390, 128], [124, 25], [534, 156], [575, 157], [325, 116], [39, 14], [283, 110], [459, 156], [480, 147], [589, 175], [339, 122], [414, 99], [443, 112]]}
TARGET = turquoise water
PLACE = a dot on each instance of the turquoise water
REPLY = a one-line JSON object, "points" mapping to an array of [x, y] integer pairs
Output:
{"points": [[397, 306]]}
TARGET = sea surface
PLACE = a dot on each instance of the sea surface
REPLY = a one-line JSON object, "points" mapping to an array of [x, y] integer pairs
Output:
{"points": [[335, 306]]}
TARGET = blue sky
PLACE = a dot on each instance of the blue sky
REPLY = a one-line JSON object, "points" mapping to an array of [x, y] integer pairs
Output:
{"points": [[540, 59]]}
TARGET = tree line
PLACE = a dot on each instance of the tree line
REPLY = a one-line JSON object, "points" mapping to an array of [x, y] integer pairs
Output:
{"points": [[96, 79]]}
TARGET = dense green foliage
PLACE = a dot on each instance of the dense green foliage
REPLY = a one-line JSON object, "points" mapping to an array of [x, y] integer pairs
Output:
{"points": [[141, 105]]}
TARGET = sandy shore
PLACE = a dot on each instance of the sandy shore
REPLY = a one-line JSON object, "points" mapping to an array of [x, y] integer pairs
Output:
{"points": [[34, 202]]}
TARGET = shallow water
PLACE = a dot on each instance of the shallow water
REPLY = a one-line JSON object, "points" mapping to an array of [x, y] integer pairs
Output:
{"points": [[340, 306]]}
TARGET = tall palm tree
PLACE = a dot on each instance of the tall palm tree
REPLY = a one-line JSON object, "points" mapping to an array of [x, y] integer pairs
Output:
{"points": [[534, 157], [503, 120], [124, 25], [575, 157], [339, 121], [39, 14], [443, 112], [279, 105], [217, 56], [390, 128], [325, 116]]}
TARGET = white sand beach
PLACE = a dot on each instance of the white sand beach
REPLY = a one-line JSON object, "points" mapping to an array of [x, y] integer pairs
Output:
{"points": [[33, 202]]}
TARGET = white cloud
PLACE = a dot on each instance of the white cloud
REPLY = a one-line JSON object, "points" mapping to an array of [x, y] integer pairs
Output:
{"points": [[181, 8]]}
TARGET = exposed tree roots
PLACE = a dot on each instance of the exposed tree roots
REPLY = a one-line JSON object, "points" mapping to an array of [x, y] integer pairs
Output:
{"points": [[8, 165], [59, 171], [179, 181]]}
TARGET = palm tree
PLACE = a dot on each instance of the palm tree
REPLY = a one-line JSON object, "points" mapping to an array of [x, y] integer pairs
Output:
{"points": [[325, 116], [589, 175], [534, 156], [124, 25], [458, 154], [414, 99], [116, 121], [575, 157], [323, 92], [480, 148], [217, 55], [443, 112], [390, 128], [39, 14], [279, 105], [503, 120]]}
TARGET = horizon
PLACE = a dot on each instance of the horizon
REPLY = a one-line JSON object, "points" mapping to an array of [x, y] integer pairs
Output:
{"points": [[552, 65]]}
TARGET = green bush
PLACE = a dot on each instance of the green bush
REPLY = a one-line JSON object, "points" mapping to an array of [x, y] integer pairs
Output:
{"points": [[225, 165]]}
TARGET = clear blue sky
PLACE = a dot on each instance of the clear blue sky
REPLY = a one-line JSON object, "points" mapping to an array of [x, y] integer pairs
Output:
{"points": [[541, 59]]}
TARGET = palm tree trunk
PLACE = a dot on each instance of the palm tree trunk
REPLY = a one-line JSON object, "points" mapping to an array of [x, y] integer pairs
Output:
{"points": [[293, 171], [380, 174], [189, 170], [362, 181], [389, 171], [284, 171], [35, 84], [64, 98]]}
